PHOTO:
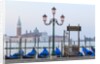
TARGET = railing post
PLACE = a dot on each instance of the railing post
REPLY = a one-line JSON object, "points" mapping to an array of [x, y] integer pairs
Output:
{"points": [[6, 48], [20, 46], [38, 46], [25, 45], [10, 47]]}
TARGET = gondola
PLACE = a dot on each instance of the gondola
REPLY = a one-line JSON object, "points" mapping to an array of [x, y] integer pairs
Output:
{"points": [[93, 49], [57, 52], [15, 55], [80, 54], [44, 53], [87, 52], [31, 54]]}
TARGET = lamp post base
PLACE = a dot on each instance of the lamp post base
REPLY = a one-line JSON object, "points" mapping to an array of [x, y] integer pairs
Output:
{"points": [[53, 53]]}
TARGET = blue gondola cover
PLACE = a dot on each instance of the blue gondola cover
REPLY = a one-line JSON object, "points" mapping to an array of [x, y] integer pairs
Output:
{"points": [[30, 54], [44, 53], [16, 55], [57, 52], [87, 52], [33, 52]]}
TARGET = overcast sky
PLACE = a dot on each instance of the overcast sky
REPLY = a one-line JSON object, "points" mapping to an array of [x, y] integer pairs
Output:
{"points": [[31, 17]]}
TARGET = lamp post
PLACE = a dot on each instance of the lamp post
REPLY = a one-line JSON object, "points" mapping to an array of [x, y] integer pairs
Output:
{"points": [[53, 21]]}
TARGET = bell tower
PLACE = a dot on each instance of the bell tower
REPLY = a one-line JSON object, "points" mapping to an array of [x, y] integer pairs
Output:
{"points": [[18, 27]]}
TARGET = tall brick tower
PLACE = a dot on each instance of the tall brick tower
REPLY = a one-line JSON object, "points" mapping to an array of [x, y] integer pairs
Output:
{"points": [[19, 27]]}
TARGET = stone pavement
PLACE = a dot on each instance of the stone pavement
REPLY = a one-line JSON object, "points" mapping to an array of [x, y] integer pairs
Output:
{"points": [[10, 61]]}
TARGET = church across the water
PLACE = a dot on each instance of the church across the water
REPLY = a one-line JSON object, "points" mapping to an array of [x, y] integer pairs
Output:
{"points": [[31, 36]]}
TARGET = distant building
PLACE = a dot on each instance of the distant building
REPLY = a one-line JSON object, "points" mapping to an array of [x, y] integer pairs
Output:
{"points": [[58, 38], [19, 27], [31, 36]]}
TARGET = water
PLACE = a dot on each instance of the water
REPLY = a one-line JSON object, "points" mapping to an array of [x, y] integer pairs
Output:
{"points": [[41, 44]]}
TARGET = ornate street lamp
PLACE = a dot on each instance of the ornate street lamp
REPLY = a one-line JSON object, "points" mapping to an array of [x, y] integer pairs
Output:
{"points": [[53, 21]]}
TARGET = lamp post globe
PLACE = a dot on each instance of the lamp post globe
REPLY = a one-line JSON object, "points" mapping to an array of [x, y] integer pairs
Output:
{"points": [[44, 17], [53, 10], [62, 18]]}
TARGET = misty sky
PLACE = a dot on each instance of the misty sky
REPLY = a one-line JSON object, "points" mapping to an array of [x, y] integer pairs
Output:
{"points": [[31, 17]]}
